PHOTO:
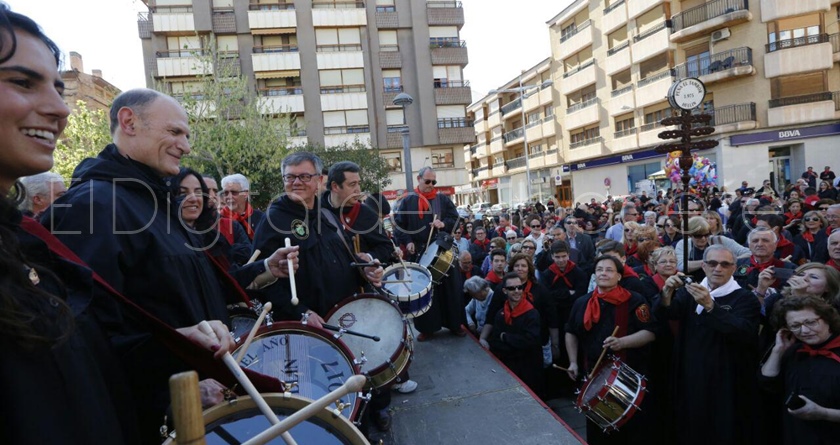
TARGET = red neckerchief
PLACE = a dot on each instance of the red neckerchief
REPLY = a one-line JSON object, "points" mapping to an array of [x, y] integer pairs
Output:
{"points": [[558, 274], [527, 292], [828, 231], [173, 340], [467, 273], [630, 249], [789, 217], [523, 306], [483, 244], [492, 277], [242, 218], [423, 204], [616, 296], [825, 350], [833, 264], [808, 236], [226, 228], [660, 282], [629, 272], [647, 270], [785, 247], [349, 215], [775, 262]]}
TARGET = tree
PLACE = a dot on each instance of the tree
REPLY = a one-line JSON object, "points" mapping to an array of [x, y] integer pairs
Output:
{"points": [[374, 168], [86, 134]]}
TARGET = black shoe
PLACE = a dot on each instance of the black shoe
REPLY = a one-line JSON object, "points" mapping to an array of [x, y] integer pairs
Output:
{"points": [[382, 420]]}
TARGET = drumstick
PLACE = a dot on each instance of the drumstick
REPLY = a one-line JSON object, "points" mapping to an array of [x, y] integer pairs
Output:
{"points": [[431, 230], [246, 383], [186, 408], [353, 384], [254, 256], [615, 331], [405, 268], [254, 329], [347, 331], [560, 368], [292, 275]]}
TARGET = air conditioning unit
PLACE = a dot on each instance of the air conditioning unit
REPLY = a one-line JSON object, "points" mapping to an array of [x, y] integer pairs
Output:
{"points": [[721, 34]]}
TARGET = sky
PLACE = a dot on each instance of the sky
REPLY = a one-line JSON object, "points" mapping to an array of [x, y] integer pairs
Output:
{"points": [[503, 37]]}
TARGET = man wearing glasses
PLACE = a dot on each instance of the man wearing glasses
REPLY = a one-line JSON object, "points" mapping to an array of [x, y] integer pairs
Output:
{"points": [[716, 352], [832, 215], [581, 242], [237, 198]]}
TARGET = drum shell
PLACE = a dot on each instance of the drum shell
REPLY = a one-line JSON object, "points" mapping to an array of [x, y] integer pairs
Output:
{"points": [[418, 299], [613, 403], [438, 260]]}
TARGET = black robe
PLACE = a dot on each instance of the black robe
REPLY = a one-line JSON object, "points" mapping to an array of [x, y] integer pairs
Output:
{"points": [[520, 351], [542, 302]]}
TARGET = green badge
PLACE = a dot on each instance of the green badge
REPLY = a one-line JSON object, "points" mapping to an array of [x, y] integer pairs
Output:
{"points": [[300, 229]]}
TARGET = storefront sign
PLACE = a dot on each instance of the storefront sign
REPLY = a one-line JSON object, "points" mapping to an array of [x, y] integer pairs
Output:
{"points": [[610, 160], [490, 184], [784, 135]]}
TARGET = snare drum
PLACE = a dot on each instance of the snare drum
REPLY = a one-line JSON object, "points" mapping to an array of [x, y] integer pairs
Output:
{"points": [[242, 319], [296, 353], [413, 289], [240, 420], [375, 315], [613, 395], [438, 260]]}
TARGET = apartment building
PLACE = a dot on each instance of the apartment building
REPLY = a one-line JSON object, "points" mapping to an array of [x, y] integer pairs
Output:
{"points": [[336, 66], [96, 92], [768, 65]]}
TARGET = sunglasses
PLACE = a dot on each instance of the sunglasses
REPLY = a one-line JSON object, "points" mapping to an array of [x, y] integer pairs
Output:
{"points": [[713, 264], [824, 209], [515, 288], [536, 227], [528, 248], [812, 219], [700, 235], [511, 238], [431, 181]]}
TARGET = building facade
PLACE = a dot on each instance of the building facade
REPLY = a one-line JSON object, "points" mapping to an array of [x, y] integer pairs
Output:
{"points": [[336, 67], [96, 92]]}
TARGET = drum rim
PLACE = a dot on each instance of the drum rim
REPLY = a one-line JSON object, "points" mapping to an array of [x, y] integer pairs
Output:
{"points": [[414, 266], [629, 411]]}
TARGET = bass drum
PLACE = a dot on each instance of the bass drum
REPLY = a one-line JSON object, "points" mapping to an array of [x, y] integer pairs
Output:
{"points": [[310, 357], [241, 419], [438, 258]]}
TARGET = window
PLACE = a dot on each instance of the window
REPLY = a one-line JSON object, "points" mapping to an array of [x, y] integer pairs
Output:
{"points": [[548, 111], [392, 80], [618, 38], [346, 121], [623, 123], [578, 59], [338, 39], [580, 137], [798, 85], [636, 173], [498, 160], [342, 81], [652, 118], [443, 158], [581, 96], [796, 31], [654, 66], [697, 60], [535, 149], [186, 46], [394, 161], [621, 80], [533, 117], [385, 6], [446, 76], [388, 40]]}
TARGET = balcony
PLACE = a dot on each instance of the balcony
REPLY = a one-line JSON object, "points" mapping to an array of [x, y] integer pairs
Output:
{"points": [[575, 40], [350, 97], [585, 149], [337, 136], [387, 17], [513, 136], [625, 140], [533, 131], [182, 62], [581, 114], [717, 67], [516, 163], [275, 58], [636, 8], [581, 76], [708, 17], [801, 109], [615, 15], [448, 51], [650, 43], [798, 55], [511, 106], [331, 57], [653, 89], [272, 16], [618, 58], [731, 118], [457, 130], [339, 13], [776, 9], [390, 59], [452, 92], [445, 13], [835, 46], [623, 101], [144, 25], [275, 100], [224, 21], [173, 18], [497, 145], [649, 134]]}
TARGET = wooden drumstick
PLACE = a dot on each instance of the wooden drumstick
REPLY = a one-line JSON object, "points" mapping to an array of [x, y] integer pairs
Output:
{"points": [[254, 256], [186, 408], [246, 383], [292, 275], [431, 230], [560, 368], [353, 384], [254, 329], [594, 368], [405, 268]]}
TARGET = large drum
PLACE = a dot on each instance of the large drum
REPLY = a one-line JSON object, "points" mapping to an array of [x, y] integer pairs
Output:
{"points": [[240, 420], [439, 257], [296, 353], [377, 316], [411, 286], [613, 395]]}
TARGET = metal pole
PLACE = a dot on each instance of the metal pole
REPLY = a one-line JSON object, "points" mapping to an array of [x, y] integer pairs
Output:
{"points": [[525, 138], [409, 183]]}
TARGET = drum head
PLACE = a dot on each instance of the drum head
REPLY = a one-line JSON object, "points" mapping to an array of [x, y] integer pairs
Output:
{"points": [[242, 319], [415, 281], [598, 382], [429, 255], [293, 352]]}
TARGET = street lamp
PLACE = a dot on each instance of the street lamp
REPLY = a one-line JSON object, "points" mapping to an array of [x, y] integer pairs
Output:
{"points": [[521, 90], [404, 100]]}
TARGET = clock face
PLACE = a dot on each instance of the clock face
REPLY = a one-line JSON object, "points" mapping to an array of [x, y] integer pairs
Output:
{"points": [[687, 94]]}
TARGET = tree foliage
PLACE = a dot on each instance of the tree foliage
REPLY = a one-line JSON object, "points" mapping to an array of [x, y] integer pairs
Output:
{"points": [[86, 134], [374, 168]]}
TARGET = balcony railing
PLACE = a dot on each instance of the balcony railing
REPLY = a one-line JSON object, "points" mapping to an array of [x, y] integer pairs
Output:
{"points": [[343, 89], [649, 32], [516, 163], [730, 114], [653, 78], [578, 28], [171, 9], [338, 48], [582, 105], [714, 63], [337, 5], [798, 100], [796, 41], [625, 132], [585, 142], [279, 6], [441, 4], [386, 8], [454, 122], [511, 106], [392, 88], [650, 126], [513, 134], [280, 91], [353, 129], [275, 49], [574, 70], [621, 91], [446, 42], [389, 48], [445, 83], [707, 11], [619, 47], [550, 152], [835, 43], [609, 8], [397, 128], [186, 52]]}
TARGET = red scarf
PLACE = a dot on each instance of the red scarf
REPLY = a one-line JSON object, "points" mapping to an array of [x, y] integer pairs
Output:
{"points": [[483, 244], [527, 292], [242, 218], [833, 264], [616, 296], [824, 351], [523, 306], [558, 274], [629, 273], [808, 236], [467, 273], [423, 204], [349, 215], [226, 228], [630, 249], [760, 267], [648, 272], [660, 282], [785, 247], [789, 217], [492, 277]]}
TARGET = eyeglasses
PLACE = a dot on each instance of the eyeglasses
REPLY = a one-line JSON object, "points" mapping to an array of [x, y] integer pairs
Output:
{"points": [[431, 181], [666, 262], [810, 324], [699, 235], [812, 219], [824, 209], [628, 230], [661, 226], [233, 193], [511, 238], [305, 178], [724, 264], [529, 248], [514, 288], [641, 240], [536, 227]]}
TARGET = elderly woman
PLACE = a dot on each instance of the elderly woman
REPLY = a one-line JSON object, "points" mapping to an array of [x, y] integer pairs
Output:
{"points": [[529, 247], [481, 294], [811, 233], [663, 263], [804, 366], [699, 239]]}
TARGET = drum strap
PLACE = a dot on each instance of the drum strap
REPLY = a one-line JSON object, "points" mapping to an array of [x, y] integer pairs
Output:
{"points": [[330, 216]]}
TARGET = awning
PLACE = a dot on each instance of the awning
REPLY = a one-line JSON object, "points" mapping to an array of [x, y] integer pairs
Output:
{"points": [[271, 31], [658, 175], [276, 74]]}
